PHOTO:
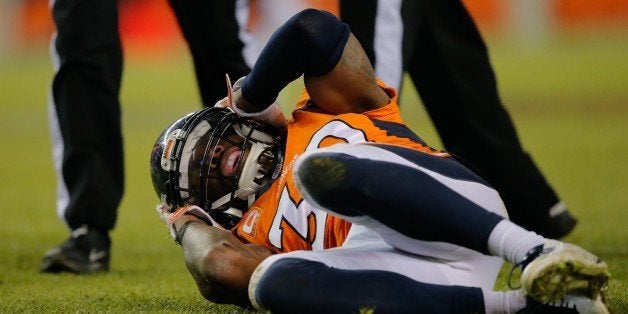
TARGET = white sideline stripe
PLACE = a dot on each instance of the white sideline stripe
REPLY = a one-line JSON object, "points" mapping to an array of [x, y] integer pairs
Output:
{"points": [[56, 138], [388, 42]]}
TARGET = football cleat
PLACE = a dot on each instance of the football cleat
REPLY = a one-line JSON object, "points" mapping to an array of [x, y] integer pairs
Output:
{"points": [[86, 251], [568, 304], [556, 269]]}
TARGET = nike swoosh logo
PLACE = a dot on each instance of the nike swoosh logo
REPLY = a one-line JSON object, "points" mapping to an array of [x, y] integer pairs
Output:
{"points": [[95, 255]]}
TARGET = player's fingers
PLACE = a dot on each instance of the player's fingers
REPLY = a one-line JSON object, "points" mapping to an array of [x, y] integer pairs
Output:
{"points": [[223, 103]]}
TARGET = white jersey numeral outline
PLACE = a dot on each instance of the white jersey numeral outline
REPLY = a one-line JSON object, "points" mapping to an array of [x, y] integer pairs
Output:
{"points": [[296, 215]]}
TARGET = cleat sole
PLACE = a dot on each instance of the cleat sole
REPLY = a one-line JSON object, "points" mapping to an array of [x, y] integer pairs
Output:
{"points": [[570, 271]]}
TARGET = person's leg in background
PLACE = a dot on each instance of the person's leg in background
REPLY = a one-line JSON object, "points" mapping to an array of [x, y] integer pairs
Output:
{"points": [[215, 33], [446, 58], [450, 66], [86, 131], [378, 26]]}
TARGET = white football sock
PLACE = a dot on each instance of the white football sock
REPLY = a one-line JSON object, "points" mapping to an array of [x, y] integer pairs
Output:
{"points": [[511, 242]]}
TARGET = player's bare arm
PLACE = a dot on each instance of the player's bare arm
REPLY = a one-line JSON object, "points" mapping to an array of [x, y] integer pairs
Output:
{"points": [[220, 263], [350, 86]]}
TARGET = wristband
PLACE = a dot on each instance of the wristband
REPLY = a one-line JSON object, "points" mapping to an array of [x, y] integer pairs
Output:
{"points": [[181, 232]]}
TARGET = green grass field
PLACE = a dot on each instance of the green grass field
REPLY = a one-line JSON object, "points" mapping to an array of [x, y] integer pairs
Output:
{"points": [[569, 101]]}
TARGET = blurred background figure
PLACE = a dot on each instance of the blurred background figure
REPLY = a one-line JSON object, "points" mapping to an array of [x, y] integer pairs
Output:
{"points": [[85, 115], [147, 25], [85, 127]]}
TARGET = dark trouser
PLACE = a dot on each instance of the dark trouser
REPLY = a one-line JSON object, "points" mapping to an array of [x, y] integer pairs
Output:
{"points": [[85, 113], [85, 118], [211, 30], [446, 58]]}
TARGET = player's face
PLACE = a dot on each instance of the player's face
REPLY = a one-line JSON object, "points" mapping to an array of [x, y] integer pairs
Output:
{"points": [[226, 156], [222, 164]]}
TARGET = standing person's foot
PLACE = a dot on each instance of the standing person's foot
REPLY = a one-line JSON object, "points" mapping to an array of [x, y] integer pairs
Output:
{"points": [[86, 251], [556, 269], [557, 224]]}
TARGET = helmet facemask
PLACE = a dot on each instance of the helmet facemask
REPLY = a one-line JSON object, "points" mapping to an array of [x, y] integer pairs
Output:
{"points": [[219, 162]]}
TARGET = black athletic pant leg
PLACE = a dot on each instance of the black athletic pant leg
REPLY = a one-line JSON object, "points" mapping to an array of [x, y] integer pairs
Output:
{"points": [[85, 112], [448, 62], [211, 31], [450, 67], [360, 16]]}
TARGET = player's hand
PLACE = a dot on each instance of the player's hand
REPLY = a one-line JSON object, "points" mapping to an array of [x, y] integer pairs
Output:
{"points": [[272, 115], [169, 217]]}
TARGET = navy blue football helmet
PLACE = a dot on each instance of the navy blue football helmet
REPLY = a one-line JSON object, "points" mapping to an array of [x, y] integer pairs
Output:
{"points": [[217, 160]]}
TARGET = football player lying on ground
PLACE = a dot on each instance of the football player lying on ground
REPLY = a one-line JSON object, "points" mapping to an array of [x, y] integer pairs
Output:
{"points": [[344, 208]]}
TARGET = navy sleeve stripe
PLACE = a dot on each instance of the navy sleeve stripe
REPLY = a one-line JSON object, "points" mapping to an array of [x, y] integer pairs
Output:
{"points": [[399, 130], [449, 167]]}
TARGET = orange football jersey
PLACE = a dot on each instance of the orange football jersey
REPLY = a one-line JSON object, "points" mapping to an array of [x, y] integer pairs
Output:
{"points": [[279, 219]]}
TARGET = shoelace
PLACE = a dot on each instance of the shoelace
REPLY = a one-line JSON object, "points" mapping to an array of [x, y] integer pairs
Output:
{"points": [[512, 270]]}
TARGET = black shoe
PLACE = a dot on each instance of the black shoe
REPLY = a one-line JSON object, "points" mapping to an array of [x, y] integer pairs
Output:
{"points": [[86, 251], [559, 226], [556, 226]]}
